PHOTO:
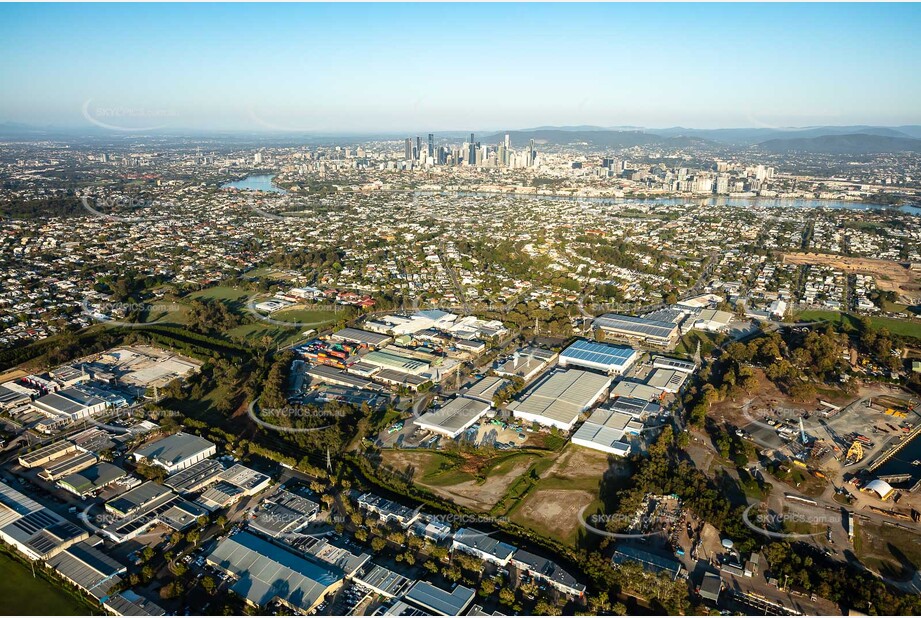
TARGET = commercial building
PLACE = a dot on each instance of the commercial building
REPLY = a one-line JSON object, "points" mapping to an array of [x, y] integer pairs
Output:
{"points": [[485, 388], [89, 569], [711, 320], [283, 513], [388, 510], [196, 477], [69, 404], [454, 417], [668, 380], [611, 359], [233, 484], [637, 409], [176, 452], [46, 454], [604, 431], [130, 603], [92, 479], [636, 390], [440, 602], [652, 563], [331, 375], [483, 546], [362, 337], [382, 580], [526, 363], [65, 466], [678, 364], [558, 399], [548, 572], [397, 362], [642, 330], [264, 572], [35, 531]]}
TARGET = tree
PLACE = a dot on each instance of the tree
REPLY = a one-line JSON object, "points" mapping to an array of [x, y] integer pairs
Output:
{"points": [[207, 582], [377, 544], [506, 596]]}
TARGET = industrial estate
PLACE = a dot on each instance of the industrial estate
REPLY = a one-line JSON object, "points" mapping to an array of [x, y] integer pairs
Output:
{"points": [[562, 370]]}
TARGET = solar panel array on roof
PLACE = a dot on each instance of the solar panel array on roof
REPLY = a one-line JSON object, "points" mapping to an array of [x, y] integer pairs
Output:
{"points": [[639, 326], [612, 356]]}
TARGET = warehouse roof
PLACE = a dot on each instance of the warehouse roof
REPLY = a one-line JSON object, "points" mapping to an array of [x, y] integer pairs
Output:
{"points": [[643, 327], [93, 477], [599, 353], [357, 335], [439, 601], [454, 416], [175, 448], [485, 389], [68, 401], [266, 572], [89, 568], [562, 395], [195, 476]]}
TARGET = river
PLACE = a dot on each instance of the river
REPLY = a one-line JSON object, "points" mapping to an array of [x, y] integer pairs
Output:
{"points": [[257, 182]]}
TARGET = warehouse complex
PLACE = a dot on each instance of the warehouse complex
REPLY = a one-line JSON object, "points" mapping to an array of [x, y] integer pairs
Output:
{"points": [[611, 359], [637, 329], [176, 452], [264, 572], [454, 417], [558, 398]]}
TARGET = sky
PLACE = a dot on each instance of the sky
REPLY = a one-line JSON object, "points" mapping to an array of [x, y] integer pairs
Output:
{"points": [[430, 67]]}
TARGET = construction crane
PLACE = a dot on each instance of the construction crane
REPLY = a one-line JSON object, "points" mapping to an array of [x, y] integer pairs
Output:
{"points": [[854, 454]]}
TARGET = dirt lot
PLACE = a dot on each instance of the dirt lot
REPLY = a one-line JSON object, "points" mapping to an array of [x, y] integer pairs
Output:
{"points": [[554, 512], [483, 495], [458, 482], [890, 276], [13, 374]]}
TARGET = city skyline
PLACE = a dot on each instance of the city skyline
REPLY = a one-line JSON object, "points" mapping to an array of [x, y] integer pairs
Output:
{"points": [[420, 68]]}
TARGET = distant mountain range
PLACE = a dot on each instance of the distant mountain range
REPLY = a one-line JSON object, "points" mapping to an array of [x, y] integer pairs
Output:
{"points": [[604, 138], [842, 140], [854, 143]]}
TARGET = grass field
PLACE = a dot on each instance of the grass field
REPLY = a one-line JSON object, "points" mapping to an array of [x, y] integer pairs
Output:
{"points": [[24, 595], [905, 328]]}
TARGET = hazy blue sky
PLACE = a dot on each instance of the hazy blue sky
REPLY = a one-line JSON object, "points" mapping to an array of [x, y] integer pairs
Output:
{"points": [[392, 67]]}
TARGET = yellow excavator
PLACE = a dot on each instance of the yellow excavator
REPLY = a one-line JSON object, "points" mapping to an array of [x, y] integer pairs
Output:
{"points": [[854, 454]]}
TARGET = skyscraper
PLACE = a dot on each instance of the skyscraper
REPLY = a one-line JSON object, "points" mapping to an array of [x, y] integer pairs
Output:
{"points": [[431, 152], [408, 149]]}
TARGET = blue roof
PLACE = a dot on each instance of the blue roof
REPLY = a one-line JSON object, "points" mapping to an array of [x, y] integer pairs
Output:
{"points": [[603, 353]]}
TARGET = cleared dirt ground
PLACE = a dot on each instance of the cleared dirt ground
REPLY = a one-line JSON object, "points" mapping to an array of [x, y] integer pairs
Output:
{"points": [[554, 512], [890, 276]]}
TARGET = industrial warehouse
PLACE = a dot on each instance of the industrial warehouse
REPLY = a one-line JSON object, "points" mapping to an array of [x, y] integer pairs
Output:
{"points": [[611, 359], [558, 399], [454, 417], [655, 333]]}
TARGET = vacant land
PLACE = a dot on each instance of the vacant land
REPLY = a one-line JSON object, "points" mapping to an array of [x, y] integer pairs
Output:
{"points": [[476, 482], [572, 481], [890, 276], [891, 551]]}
